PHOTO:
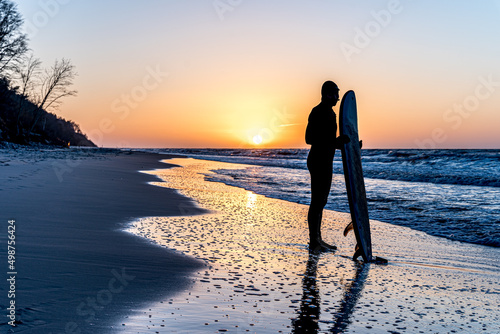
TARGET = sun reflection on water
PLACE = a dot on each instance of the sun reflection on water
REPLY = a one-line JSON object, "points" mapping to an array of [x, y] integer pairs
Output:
{"points": [[251, 200], [261, 278]]}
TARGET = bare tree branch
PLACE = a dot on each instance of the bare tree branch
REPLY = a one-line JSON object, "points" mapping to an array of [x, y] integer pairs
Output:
{"points": [[55, 84], [13, 43], [26, 75]]}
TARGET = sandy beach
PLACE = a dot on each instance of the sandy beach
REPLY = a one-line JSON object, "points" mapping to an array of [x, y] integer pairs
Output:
{"points": [[102, 251], [159, 161], [76, 270], [261, 278]]}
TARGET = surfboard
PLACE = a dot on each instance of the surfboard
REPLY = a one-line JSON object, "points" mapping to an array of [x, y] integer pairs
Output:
{"points": [[353, 173]]}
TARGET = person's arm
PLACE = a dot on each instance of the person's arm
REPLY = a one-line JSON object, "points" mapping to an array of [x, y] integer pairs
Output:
{"points": [[310, 130], [341, 141], [309, 139]]}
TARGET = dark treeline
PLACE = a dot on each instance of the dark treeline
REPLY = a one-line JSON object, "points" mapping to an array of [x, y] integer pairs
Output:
{"points": [[28, 92], [16, 123]]}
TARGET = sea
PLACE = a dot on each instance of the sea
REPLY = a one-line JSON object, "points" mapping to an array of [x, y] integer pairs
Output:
{"points": [[454, 194]]}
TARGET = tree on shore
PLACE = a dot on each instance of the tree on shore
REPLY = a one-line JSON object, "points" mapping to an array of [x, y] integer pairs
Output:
{"points": [[13, 43], [55, 84], [43, 89], [26, 74], [28, 92]]}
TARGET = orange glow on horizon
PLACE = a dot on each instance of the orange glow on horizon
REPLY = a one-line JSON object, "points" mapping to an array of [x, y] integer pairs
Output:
{"points": [[224, 114], [251, 79]]}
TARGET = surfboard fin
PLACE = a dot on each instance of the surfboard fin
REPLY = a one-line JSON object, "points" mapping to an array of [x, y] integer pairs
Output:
{"points": [[357, 253], [348, 228]]}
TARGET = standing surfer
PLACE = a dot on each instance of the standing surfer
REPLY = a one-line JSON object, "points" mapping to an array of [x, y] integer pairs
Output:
{"points": [[321, 134]]}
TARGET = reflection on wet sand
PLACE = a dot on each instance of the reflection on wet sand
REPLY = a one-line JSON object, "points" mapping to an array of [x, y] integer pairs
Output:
{"points": [[259, 274], [352, 293], [307, 320], [310, 309]]}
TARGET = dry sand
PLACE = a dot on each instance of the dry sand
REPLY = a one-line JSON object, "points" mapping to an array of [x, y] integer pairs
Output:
{"points": [[76, 268]]}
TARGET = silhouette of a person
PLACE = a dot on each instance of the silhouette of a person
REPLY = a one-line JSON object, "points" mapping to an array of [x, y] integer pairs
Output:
{"points": [[321, 134]]}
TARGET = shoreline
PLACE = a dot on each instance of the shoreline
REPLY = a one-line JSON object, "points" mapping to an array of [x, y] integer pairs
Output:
{"points": [[260, 277], [207, 256], [76, 268], [459, 200]]}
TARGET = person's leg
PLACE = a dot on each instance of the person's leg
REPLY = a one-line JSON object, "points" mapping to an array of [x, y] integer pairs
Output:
{"points": [[320, 188], [326, 183], [314, 214]]}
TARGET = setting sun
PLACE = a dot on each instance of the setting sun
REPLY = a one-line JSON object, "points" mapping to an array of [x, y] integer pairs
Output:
{"points": [[257, 139]]}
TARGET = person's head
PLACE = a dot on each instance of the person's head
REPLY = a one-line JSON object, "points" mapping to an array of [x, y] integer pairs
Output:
{"points": [[330, 93]]}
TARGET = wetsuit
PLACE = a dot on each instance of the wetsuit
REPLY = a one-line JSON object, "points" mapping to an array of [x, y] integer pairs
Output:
{"points": [[321, 134]]}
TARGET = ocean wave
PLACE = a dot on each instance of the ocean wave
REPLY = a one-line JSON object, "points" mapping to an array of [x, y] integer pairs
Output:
{"points": [[448, 193], [462, 213], [458, 167]]}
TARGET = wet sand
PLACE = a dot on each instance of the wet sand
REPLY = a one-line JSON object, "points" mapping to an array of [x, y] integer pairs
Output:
{"points": [[76, 269], [260, 278], [88, 260]]}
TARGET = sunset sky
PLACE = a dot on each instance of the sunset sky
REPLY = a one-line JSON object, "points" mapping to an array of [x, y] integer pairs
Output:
{"points": [[246, 73]]}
